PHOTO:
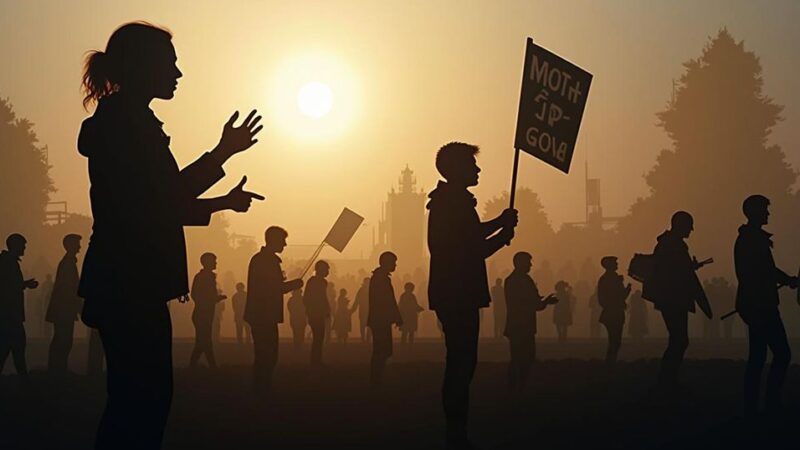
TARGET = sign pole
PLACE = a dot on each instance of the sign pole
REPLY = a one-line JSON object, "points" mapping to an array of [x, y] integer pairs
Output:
{"points": [[312, 259], [513, 192]]}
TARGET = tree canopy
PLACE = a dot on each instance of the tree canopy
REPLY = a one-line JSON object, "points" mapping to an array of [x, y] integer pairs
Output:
{"points": [[24, 174]]}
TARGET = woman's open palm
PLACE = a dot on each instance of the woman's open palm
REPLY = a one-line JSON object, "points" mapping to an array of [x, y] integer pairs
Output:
{"points": [[238, 139]]}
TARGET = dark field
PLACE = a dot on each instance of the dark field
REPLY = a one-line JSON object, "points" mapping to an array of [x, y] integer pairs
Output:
{"points": [[570, 403]]}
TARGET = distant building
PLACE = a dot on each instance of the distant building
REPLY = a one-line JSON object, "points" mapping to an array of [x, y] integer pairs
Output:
{"points": [[402, 225]]}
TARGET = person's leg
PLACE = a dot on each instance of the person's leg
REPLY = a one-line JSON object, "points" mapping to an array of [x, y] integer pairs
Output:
{"points": [[781, 357], [18, 345], [757, 343], [70, 335], [317, 337], [138, 347], [198, 339], [678, 329], [297, 336], [461, 332], [259, 357], [513, 363], [271, 353], [208, 341], [94, 363], [381, 342], [411, 337], [614, 341], [5, 345], [527, 353], [239, 326], [54, 353]]}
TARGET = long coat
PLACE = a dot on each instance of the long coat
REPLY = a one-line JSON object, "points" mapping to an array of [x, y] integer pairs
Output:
{"points": [[409, 311], [383, 309], [459, 247], [141, 200], [12, 290], [611, 294], [523, 301], [266, 286], [65, 304], [315, 299], [759, 278], [674, 285]]}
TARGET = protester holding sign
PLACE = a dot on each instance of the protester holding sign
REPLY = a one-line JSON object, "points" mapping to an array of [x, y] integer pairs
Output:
{"points": [[459, 244]]}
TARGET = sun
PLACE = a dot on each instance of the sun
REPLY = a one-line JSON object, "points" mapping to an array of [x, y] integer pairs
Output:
{"points": [[315, 99]]}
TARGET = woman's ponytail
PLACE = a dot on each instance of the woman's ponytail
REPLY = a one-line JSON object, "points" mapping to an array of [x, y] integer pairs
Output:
{"points": [[96, 82]]}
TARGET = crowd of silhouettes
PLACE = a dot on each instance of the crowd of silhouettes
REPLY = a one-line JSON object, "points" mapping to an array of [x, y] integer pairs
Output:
{"points": [[141, 201]]}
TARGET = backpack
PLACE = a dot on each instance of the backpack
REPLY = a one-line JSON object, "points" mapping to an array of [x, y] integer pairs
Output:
{"points": [[641, 267]]}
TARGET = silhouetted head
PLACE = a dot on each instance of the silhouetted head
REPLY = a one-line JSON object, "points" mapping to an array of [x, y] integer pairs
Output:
{"points": [[275, 239], [342, 292], [563, 286], [365, 281], [239, 287], [322, 268], [457, 164], [208, 260], [408, 287], [756, 209], [15, 243], [682, 223], [523, 261], [72, 243], [498, 282], [388, 261], [139, 60], [609, 263]]}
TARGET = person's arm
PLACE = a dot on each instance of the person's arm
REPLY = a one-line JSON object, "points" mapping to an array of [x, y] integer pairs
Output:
{"points": [[489, 227], [784, 279], [198, 211], [491, 245], [508, 218], [291, 285]]}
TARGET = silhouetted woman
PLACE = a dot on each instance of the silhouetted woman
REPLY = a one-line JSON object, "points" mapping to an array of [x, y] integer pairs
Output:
{"points": [[141, 200]]}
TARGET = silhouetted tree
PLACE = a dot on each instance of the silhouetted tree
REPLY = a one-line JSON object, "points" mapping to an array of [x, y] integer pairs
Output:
{"points": [[24, 174], [719, 122]]}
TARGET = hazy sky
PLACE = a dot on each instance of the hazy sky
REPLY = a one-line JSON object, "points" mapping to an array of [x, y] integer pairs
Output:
{"points": [[406, 78]]}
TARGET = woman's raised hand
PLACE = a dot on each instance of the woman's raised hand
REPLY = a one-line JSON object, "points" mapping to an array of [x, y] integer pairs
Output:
{"points": [[237, 139]]}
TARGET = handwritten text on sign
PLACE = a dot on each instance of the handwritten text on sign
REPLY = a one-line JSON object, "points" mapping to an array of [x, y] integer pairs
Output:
{"points": [[551, 105]]}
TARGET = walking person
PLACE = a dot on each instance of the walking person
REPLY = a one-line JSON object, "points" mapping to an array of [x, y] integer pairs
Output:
{"points": [[757, 303], [13, 339]]}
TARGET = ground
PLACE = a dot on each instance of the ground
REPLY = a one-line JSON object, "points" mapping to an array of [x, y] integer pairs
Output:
{"points": [[571, 403]]}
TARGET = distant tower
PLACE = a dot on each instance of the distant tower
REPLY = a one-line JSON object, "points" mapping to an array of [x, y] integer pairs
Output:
{"points": [[402, 226]]}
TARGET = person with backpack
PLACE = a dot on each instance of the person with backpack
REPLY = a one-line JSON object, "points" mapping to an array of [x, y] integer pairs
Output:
{"points": [[674, 288]]}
